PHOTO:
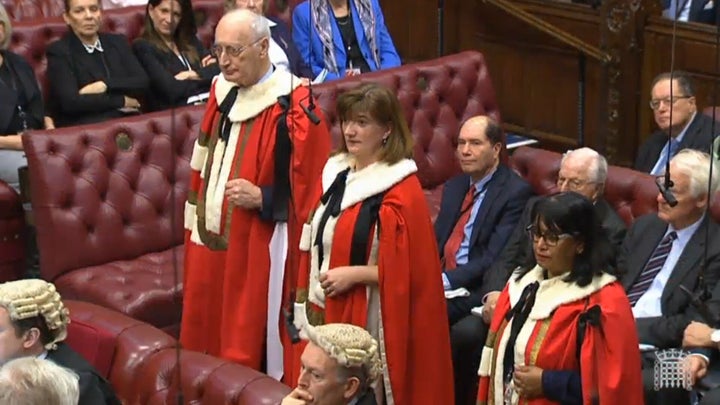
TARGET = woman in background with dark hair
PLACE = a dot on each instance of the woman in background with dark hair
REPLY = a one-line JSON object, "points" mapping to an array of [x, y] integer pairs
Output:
{"points": [[563, 331], [180, 68]]}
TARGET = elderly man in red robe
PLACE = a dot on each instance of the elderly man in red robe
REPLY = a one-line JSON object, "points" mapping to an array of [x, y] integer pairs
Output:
{"points": [[260, 151]]}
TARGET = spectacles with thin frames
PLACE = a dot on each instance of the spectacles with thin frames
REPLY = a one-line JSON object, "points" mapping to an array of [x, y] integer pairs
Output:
{"points": [[232, 50], [655, 103], [550, 238]]}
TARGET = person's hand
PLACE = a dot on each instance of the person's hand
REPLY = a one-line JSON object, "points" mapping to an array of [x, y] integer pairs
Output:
{"points": [[528, 381], [297, 397], [243, 193], [489, 306], [698, 335], [352, 72], [697, 367], [98, 87], [187, 75], [48, 122], [131, 103], [338, 281], [207, 61]]}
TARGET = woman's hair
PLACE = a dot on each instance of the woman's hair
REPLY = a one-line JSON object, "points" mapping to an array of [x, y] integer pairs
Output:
{"points": [[573, 214], [184, 34], [381, 105], [5, 20]]}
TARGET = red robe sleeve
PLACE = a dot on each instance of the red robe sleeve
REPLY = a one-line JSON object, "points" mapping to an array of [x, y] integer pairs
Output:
{"points": [[413, 311], [611, 367]]}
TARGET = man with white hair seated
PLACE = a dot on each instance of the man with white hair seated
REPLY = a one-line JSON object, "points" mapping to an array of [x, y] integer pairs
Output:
{"points": [[583, 171], [339, 364], [33, 323], [33, 381]]}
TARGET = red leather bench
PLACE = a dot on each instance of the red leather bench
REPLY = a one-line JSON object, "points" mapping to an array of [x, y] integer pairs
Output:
{"points": [[12, 223], [630, 192], [141, 363], [110, 220]]}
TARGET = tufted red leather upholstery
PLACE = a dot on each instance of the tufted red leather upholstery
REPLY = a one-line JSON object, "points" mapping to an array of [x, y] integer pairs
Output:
{"points": [[31, 9], [143, 364], [436, 96], [104, 215], [12, 222], [109, 220], [630, 192]]}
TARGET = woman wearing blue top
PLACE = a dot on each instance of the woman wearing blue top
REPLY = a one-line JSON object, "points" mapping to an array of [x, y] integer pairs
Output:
{"points": [[348, 37]]}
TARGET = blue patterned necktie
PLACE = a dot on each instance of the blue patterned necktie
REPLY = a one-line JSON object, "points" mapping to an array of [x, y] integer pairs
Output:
{"points": [[652, 268]]}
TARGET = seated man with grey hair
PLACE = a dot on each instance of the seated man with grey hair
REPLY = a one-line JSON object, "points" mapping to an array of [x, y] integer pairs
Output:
{"points": [[33, 381], [33, 323], [583, 171], [339, 364]]}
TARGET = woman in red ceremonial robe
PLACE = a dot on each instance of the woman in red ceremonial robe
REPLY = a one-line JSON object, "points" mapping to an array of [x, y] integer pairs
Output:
{"points": [[371, 257], [563, 331]]}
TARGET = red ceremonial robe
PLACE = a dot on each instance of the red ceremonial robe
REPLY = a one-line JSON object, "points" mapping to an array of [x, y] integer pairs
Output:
{"points": [[406, 311], [227, 256], [610, 358]]}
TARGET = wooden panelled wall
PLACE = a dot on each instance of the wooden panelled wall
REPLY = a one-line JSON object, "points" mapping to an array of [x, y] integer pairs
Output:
{"points": [[536, 76]]}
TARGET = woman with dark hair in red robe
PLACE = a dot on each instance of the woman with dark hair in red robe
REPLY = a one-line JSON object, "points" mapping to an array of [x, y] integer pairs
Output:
{"points": [[563, 331], [371, 258]]}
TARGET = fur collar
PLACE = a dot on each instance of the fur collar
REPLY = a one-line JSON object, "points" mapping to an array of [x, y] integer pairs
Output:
{"points": [[553, 292], [253, 100], [367, 182]]}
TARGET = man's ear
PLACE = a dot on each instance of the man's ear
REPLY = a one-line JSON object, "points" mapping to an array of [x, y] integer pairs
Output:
{"points": [[31, 338], [352, 386]]}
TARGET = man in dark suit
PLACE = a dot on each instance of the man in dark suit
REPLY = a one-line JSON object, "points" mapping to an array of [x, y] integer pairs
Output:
{"points": [[701, 11], [339, 365], [33, 322], [663, 255], [93, 77], [688, 129], [478, 212], [583, 171]]}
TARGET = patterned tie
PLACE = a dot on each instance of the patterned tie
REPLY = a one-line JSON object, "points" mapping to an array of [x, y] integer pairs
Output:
{"points": [[456, 237], [652, 268], [660, 168]]}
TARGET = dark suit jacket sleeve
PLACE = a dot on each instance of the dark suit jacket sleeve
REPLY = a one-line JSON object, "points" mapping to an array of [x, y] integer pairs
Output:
{"points": [[134, 83], [162, 80], [37, 108], [642, 161], [297, 63], [90, 390], [208, 72], [473, 270], [667, 331], [513, 255], [66, 88]]}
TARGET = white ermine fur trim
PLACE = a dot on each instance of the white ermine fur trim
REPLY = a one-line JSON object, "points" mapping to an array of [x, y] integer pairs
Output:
{"points": [[253, 100]]}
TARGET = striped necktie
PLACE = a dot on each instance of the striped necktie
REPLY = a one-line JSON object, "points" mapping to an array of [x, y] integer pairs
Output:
{"points": [[652, 268]]}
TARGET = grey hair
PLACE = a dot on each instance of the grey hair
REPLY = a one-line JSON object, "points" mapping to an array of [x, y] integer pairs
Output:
{"points": [[32, 381], [5, 20], [696, 165], [597, 164]]}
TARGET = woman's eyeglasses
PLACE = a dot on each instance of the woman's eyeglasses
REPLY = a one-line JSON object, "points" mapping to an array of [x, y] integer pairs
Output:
{"points": [[551, 239]]}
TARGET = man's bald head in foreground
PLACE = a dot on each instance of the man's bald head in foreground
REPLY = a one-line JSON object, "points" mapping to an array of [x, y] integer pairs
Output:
{"points": [[242, 41]]}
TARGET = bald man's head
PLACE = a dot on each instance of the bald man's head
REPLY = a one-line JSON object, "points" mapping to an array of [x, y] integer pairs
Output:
{"points": [[479, 145], [241, 47]]}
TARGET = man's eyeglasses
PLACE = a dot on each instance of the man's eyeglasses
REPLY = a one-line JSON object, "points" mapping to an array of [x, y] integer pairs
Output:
{"points": [[573, 184], [550, 238], [231, 50], [656, 103]]}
